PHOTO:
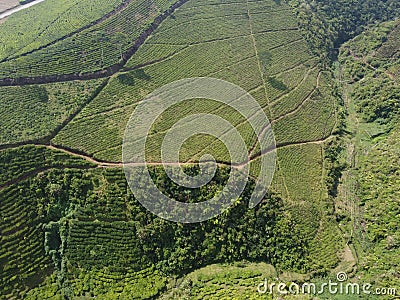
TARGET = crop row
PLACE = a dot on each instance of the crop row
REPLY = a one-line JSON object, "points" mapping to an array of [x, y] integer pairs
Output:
{"points": [[106, 284], [220, 28], [284, 83], [286, 57], [229, 58], [276, 20], [297, 96], [149, 53], [113, 245], [314, 120], [327, 246], [302, 169]]}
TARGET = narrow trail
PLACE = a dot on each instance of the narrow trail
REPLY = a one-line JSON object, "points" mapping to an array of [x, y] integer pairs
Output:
{"points": [[260, 68], [347, 189], [366, 63], [17, 8]]}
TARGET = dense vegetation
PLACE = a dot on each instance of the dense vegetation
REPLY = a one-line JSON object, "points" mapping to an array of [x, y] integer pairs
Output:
{"points": [[25, 206], [370, 65], [371, 61], [96, 233]]}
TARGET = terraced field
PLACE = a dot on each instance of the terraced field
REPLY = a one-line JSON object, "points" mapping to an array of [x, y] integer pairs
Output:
{"points": [[81, 225]]}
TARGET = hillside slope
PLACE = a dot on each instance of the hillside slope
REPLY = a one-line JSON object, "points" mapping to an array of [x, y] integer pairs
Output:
{"points": [[73, 215]]}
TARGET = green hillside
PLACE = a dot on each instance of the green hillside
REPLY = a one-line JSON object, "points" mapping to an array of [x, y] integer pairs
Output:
{"points": [[73, 72]]}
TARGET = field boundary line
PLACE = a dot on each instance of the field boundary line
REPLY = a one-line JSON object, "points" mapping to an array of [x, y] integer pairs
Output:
{"points": [[155, 61], [39, 170], [305, 77]]}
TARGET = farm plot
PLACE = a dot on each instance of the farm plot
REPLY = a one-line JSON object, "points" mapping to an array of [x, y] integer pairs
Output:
{"points": [[285, 83], [34, 112], [115, 103], [95, 48], [222, 281], [227, 56], [22, 258], [44, 23], [298, 95], [314, 120], [25, 160], [302, 166]]}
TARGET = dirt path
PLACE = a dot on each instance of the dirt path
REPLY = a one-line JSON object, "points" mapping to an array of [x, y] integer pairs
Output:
{"points": [[105, 164]]}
